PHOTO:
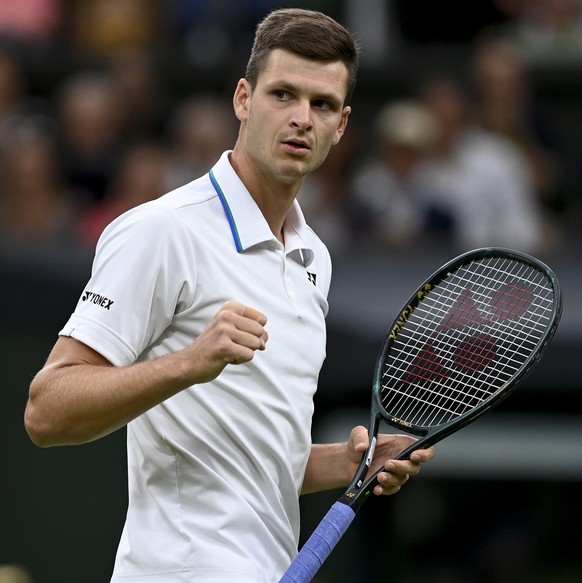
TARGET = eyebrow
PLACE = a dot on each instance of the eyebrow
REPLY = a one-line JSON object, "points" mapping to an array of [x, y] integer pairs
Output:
{"points": [[293, 88]]}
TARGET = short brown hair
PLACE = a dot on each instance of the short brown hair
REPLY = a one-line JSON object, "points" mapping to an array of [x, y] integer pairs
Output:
{"points": [[307, 33]]}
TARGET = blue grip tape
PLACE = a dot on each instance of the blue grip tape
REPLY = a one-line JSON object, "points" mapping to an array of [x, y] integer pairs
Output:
{"points": [[320, 544]]}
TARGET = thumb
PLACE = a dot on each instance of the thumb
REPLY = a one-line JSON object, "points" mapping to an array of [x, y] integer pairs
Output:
{"points": [[359, 438]]}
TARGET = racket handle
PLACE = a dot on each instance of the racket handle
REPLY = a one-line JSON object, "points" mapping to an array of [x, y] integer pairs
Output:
{"points": [[320, 544]]}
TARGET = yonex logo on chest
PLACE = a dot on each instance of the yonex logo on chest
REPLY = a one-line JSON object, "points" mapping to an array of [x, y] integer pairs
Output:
{"points": [[97, 299]]}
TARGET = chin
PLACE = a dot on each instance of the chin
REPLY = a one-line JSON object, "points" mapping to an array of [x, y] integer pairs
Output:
{"points": [[294, 171]]}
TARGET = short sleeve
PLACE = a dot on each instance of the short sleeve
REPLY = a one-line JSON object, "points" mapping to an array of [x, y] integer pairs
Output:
{"points": [[143, 274]]}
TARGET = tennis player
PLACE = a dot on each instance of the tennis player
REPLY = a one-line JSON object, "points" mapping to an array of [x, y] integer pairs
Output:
{"points": [[202, 329]]}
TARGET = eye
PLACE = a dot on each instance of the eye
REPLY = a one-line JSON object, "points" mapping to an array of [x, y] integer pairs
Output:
{"points": [[323, 105], [281, 95]]}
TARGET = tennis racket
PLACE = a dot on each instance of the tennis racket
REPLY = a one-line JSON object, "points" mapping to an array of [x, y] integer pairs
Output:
{"points": [[462, 343]]}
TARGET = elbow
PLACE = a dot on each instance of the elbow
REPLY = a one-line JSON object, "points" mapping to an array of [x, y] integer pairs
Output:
{"points": [[44, 432], [38, 421], [37, 428], [48, 421]]}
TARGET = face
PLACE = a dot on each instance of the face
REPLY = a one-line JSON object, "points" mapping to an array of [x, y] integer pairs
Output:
{"points": [[292, 117]]}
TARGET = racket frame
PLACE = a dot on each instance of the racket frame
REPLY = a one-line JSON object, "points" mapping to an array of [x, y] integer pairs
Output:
{"points": [[360, 489]]}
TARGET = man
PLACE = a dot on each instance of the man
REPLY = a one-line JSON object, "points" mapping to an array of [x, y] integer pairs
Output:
{"points": [[170, 336]]}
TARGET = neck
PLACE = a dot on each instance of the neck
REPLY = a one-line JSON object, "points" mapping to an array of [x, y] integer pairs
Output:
{"points": [[274, 198]]}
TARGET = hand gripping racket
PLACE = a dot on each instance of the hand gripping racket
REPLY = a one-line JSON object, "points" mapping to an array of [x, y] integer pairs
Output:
{"points": [[463, 342]]}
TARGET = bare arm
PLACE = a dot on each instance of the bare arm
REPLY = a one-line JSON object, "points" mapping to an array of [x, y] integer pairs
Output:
{"points": [[79, 396], [334, 465]]}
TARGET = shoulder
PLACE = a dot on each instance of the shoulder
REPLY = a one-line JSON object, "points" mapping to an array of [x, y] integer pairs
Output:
{"points": [[197, 192], [167, 214]]}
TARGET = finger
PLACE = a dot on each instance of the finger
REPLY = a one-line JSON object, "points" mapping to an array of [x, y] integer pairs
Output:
{"points": [[381, 491], [397, 475], [255, 315], [249, 339], [248, 332], [402, 467], [250, 320], [389, 483], [245, 311], [246, 326], [240, 355], [422, 455]]}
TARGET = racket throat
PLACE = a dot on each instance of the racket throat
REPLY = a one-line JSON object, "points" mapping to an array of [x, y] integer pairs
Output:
{"points": [[368, 459], [354, 497]]}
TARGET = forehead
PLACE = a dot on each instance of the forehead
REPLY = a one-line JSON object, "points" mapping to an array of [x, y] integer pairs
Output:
{"points": [[292, 69]]}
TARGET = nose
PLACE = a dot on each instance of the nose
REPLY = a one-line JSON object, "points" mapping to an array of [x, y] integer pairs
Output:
{"points": [[301, 115]]}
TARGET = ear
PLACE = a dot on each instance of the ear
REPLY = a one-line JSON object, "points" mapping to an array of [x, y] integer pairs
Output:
{"points": [[241, 99], [342, 125]]}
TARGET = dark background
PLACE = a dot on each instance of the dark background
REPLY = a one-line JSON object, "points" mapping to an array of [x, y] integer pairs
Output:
{"points": [[501, 502]]}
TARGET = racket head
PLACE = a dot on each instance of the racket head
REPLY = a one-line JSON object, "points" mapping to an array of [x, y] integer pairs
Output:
{"points": [[464, 341]]}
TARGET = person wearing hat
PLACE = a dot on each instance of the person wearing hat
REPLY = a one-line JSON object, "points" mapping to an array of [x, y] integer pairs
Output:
{"points": [[386, 188]]}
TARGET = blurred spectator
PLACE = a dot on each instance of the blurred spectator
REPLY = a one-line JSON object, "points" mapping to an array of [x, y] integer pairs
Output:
{"points": [[387, 186], [13, 85], [505, 106], [91, 141], [548, 32], [477, 183], [36, 211], [102, 28], [141, 99], [207, 30], [140, 178], [326, 198], [211, 34], [14, 574], [200, 129], [30, 21]]}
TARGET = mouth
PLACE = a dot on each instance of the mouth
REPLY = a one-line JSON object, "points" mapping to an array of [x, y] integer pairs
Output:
{"points": [[296, 146]]}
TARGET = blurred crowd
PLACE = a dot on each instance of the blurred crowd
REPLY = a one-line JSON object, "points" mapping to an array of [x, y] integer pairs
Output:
{"points": [[105, 104]]}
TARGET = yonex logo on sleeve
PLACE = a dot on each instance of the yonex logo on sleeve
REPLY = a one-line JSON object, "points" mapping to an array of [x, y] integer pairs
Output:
{"points": [[97, 299]]}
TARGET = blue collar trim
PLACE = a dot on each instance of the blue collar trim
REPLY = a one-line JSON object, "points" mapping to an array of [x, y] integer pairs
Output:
{"points": [[227, 211]]}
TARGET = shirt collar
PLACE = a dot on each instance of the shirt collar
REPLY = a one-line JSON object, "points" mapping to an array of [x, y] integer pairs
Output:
{"points": [[247, 223]]}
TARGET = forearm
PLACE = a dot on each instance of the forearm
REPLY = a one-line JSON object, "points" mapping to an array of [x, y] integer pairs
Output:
{"points": [[81, 402], [334, 466], [79, 396]]}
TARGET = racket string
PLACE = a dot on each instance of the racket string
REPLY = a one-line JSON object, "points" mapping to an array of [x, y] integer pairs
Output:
{"points": [[469, 336]]}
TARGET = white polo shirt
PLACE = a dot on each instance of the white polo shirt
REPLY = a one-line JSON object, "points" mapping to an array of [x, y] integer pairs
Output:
{"points": [[215, 471]]}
